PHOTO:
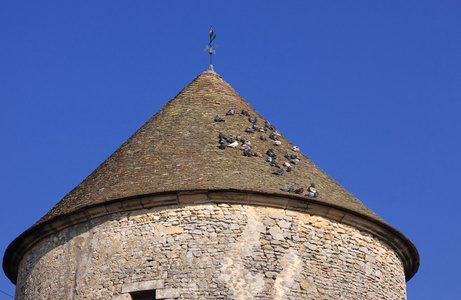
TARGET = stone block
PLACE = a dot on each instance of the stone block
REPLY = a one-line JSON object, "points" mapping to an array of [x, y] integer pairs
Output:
{"points": [[167, 294], [143, 286], [173, 230]]}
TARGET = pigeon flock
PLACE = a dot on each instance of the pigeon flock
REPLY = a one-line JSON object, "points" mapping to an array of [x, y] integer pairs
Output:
{"points": [[228, 141]]}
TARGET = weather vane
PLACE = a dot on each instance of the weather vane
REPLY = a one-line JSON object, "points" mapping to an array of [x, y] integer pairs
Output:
{"points": [[210, 48]]}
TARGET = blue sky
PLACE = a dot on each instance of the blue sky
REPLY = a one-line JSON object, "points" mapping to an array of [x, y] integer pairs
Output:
{"points": [[370, 92]]}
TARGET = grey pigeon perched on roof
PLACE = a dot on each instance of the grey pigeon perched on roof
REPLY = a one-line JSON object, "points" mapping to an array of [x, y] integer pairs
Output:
{"points": [[231, 112], [291, 190], [249, 129], [240, 138], [245, 113], [286, 188], [273, 136], [269, 125], [295, 161], [230, 139], [217, 118], [222, 146], [247, 152], [279, 172], [313, 193], [263, 137], [222, 135], [289, 168], [253, 119], [255, 126], [299, 191], [271, 153], [269, 159], [274, 164]]}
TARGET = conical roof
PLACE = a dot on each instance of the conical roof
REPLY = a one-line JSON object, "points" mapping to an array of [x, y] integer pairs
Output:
{"points": [[177, 150]]}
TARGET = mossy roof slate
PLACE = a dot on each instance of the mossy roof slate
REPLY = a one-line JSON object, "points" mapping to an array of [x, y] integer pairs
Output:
{"points": [[176, 150]]}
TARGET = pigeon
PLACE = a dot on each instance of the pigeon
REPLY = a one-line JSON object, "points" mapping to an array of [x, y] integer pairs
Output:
{"points": [[279, 172], [273, 136], [295, 161], [222, 146], [277, 143], [255, 126], [266, 129], [222, 141], [285, 188], [258, 154], [289, 168], [269, 125], [245, 113], [274, 164], [261, 129], [299, 191], [247, 152], [221, 135], [312, 194], [217, 118], [239, 138], [287, 155], [271, 153], [230, 140], [249, 129], [292, 156], [233, 145], [286, 164], [244, 147], [231, 112], [291, 190], [295, 148], [253, 119], [263, 137], [269, 159], [247, 142]]}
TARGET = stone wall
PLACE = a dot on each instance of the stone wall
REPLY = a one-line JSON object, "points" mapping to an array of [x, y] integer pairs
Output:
{"points": [[211, 251]]}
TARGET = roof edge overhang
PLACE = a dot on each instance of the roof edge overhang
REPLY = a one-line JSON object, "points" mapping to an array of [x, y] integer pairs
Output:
{"points": [[396, 240]]}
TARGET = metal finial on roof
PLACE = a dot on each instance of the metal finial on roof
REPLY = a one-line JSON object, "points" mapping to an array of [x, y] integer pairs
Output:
{"points": [[210, 48]]}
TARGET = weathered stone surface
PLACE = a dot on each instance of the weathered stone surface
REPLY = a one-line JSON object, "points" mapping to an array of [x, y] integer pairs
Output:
{"points": [[211, 251]]}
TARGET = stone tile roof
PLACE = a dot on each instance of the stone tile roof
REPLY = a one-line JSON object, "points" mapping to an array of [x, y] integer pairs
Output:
{"points": [[177, 150]]}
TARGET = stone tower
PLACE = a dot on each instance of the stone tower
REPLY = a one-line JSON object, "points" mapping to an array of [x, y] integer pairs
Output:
{"points": [[170, 215]]}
